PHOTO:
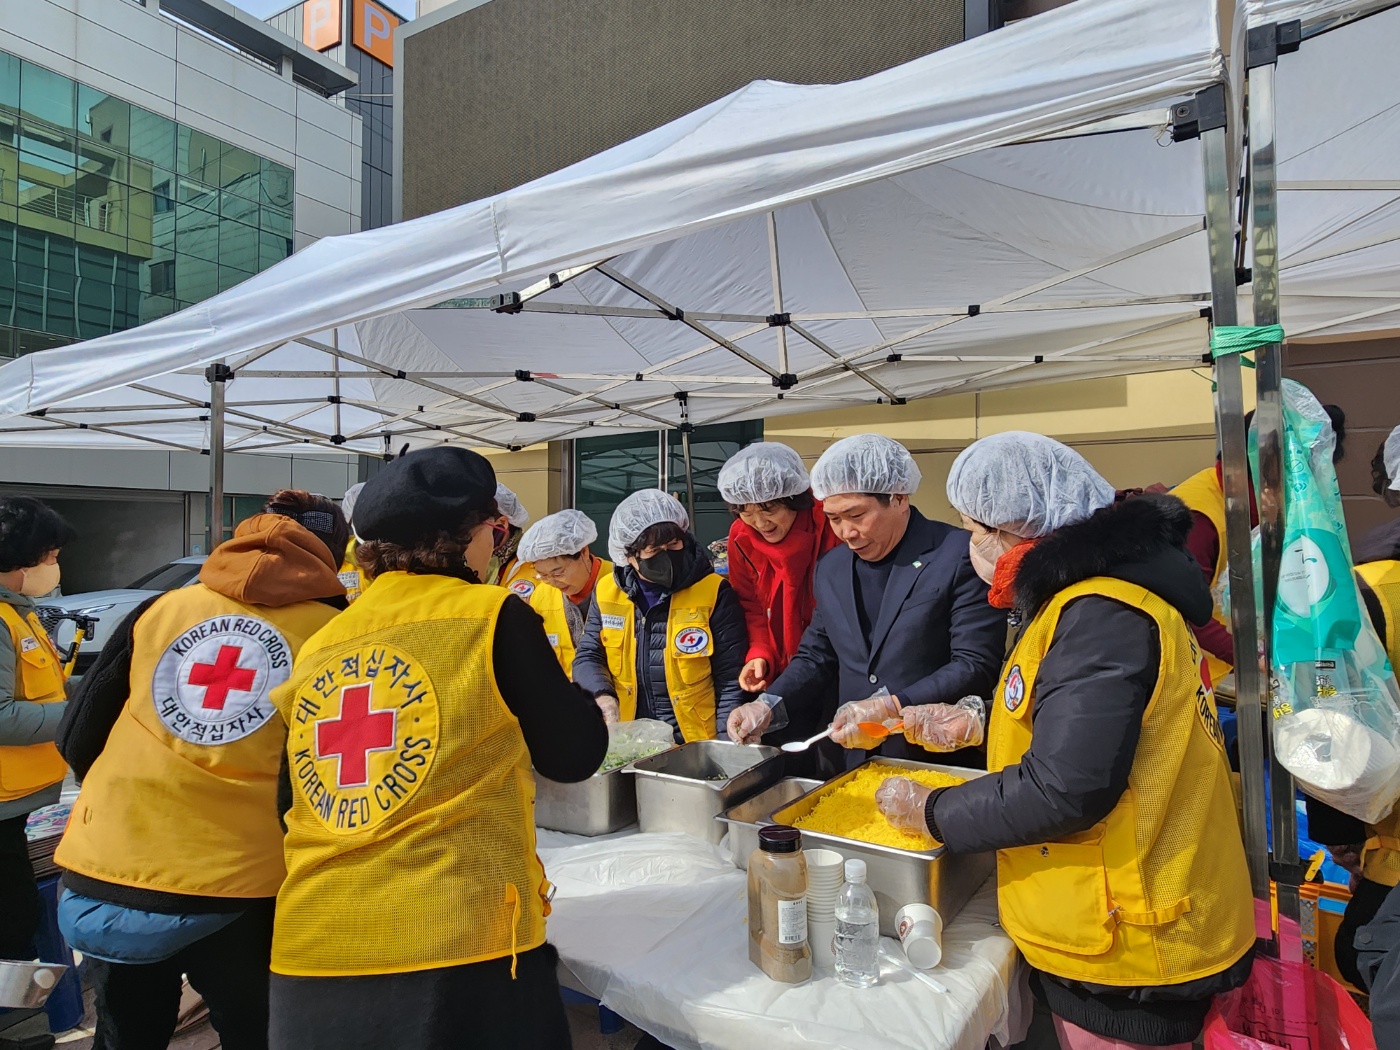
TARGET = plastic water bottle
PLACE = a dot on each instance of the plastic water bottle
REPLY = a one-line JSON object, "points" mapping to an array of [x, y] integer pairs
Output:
{"points": [[857, 930]]}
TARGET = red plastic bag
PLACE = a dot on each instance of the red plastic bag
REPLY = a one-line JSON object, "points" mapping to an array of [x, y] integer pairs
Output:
{"points": [[1287, 1006]]}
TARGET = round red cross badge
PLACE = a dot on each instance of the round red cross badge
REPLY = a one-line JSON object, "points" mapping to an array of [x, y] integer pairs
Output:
{"points": [[524, 588], [362, 732], [692, 640], [212, 684], [1014, 691]]}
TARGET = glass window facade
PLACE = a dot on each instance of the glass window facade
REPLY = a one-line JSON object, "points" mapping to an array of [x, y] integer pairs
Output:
{"points": [[608, 468], [111, 216]]}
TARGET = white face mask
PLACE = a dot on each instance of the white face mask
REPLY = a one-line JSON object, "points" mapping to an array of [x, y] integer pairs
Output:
{"points": [[984, 554], [40, 580]]}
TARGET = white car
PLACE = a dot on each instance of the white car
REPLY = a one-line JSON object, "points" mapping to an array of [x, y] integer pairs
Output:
{"points": [[110, 608]]}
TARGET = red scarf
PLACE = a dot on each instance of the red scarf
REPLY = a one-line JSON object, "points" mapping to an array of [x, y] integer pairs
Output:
{"points": [[784, 570], [1003, 592]]}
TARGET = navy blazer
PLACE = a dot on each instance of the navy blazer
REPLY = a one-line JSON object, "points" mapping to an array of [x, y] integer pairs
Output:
{"points": [[936, 641]]}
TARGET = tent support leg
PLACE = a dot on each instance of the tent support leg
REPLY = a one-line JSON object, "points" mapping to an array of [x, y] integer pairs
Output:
{"points": [[1220, 232], [218, 375], [686, 428], [567, 494], [1269, 419]]}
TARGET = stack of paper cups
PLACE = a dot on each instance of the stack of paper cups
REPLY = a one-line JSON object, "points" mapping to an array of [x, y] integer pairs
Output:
{"points": [[825, 877]]}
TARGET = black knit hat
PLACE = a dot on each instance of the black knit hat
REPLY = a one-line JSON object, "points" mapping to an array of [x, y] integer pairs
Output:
{"points": [[424, 493]]}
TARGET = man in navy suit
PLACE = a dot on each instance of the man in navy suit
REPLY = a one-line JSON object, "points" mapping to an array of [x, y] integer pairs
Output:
{"points": [[901, 617]]}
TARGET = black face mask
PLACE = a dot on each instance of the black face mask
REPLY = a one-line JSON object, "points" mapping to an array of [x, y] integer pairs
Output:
{"points": [[662, 569]]}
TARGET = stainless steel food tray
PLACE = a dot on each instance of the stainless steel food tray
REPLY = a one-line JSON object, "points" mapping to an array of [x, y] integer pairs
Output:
{"points": [[600, 805], [945, 880], [744, 820], [675, 792]]}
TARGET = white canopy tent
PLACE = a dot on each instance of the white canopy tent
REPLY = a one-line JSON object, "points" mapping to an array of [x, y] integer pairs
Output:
{"points": [[1050, 201], [961, 222]]}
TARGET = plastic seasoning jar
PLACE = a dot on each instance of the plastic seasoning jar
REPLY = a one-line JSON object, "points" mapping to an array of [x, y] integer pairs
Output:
{"points": [[778, 906]]}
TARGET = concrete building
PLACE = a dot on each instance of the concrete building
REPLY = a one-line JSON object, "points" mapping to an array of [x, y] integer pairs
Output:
{"points": [[152, 155], [358, 34]]}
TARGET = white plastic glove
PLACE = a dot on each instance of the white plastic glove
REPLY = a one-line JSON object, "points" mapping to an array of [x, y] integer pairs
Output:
{"points": [[748, 721], [945, 727], [902, 802], [612, 713], [877, 708]]}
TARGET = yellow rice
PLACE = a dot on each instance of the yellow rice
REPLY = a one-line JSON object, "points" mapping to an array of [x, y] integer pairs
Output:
{"points": [[850, 811]]}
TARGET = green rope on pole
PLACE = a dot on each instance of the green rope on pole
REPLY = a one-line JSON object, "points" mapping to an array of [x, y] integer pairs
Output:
{"points": [[1237, 339]]}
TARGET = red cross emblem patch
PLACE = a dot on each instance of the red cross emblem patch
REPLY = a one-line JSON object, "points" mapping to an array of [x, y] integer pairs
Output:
{"points": [[212, 685], [362, 732]]}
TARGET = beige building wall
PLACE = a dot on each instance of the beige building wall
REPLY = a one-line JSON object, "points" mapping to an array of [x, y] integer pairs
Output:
{"points": [[1135, 430]]}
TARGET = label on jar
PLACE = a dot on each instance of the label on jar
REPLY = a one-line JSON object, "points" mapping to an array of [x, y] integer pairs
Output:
{"points": [[792, 921]]}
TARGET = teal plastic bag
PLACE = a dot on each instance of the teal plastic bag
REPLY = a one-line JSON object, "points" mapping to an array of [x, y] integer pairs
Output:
{"points": [[1335, 703]]}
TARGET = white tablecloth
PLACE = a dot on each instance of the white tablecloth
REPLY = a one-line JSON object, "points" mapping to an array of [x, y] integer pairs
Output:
{"points": [[654, 926]]}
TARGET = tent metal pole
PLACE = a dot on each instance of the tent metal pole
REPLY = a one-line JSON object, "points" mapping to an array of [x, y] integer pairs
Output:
{"points": [[777, 292], [1220, 233], [567, 491], [1269, 424], [686, 428], [218, 376]]}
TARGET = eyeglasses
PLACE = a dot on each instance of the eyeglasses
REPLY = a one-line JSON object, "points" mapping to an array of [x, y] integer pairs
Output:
{"points": [[554, 576], [499, 534]]}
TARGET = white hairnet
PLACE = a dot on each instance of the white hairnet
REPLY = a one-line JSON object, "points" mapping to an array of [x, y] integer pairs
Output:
{"points": [[865, 463], [1391, 458], [509, 504], [762, 472], [557, 536], [639, 512], [347, 502], [1026, 484]]}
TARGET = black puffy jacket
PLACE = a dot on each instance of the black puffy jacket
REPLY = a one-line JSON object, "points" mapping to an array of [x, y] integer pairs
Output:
{"points": [[731, 643]]}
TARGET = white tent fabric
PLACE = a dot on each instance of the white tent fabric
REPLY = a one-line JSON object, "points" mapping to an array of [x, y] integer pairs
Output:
{"points": [[953, 223], [1337, 113]]}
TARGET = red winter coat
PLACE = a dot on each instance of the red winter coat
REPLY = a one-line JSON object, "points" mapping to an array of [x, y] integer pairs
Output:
{"points": [[774, 584]]}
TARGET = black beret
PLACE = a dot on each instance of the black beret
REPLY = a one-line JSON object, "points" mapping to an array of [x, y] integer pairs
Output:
{"points": [[423, 493]]}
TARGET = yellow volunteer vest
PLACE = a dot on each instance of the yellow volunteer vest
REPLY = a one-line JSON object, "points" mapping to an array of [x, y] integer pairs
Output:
{"points": [[1202, 492], [548, 601], [38, 679], [1381, 858], [183, 798], [1158, 892], [351, 577], [411, 840], [690, 642]]}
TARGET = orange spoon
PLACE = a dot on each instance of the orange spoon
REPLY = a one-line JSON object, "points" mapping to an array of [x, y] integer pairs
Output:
{"points": [[880, 730]]}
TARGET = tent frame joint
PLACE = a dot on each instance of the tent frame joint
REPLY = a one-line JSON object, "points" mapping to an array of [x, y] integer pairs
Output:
{"points": [[785, 381], [974, 309], [1266, 43], [780, 320], [508, 303], [218, 372], [1206, 111]]}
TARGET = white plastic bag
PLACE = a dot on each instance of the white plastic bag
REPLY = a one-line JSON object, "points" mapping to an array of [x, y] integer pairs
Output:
{"points": [[1335, 703]]}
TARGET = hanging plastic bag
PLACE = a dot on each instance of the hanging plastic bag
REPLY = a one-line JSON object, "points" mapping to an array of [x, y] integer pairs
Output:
{"points": [[1335, 705], [1287, 1006]]}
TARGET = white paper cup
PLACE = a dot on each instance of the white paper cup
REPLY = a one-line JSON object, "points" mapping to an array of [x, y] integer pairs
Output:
{"points": [[821, 938], [920, 930], [825, 869]]}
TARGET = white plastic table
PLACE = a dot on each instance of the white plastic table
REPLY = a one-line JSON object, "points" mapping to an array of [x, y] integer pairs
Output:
{"points": [[654, 927]]}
